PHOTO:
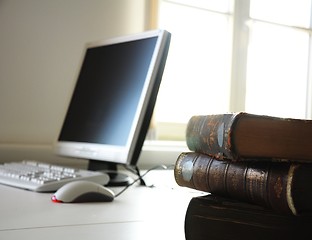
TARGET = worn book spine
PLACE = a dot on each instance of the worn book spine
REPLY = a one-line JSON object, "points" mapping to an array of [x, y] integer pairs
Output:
{"points": [[284, 187], [213, 217], [212, 135]]}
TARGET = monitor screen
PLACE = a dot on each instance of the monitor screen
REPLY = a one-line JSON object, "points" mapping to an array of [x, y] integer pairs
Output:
{"points": [[113, 99]]}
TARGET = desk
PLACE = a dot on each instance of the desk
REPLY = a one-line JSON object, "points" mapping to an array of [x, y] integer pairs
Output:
{"points": [[138, 213]]}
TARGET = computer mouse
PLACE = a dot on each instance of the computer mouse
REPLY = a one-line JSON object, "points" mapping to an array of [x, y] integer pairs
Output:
{"points": [[83, 191]]}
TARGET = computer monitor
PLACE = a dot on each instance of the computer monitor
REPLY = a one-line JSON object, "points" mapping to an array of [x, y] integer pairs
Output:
{"points": [[113, 101]]}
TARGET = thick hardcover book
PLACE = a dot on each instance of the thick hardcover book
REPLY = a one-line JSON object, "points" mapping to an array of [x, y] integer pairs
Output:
{"points": [[216, 218], [281, 186], [240, 136]]}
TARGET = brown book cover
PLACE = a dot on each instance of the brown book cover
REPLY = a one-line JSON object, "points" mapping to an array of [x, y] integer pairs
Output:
{"points": [[216, 218], [244, 136], [281, 186]]}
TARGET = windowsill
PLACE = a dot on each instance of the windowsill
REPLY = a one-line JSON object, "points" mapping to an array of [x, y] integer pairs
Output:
{"points": [[153, 153], [160, 152], [164, 145]]}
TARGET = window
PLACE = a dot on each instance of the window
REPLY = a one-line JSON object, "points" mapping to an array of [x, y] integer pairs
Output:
{"points": [[244, 55], [278, 58]]}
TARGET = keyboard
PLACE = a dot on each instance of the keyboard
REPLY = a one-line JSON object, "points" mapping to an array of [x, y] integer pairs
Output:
{"points": [[43, 177]]}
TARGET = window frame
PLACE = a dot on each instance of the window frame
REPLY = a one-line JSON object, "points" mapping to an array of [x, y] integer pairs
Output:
{"points": [[240, 18]]}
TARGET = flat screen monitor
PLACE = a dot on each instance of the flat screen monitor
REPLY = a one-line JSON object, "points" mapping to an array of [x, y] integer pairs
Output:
{"points": [[113, 100]]}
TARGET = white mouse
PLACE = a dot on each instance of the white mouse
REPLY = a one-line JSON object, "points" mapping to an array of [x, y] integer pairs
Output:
{"points": [[83, 191]]}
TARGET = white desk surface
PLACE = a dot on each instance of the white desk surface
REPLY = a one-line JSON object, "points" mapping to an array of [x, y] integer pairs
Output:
{"points": [[139, 213]]}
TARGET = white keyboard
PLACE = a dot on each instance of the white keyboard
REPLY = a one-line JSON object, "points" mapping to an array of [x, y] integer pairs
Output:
{"points": [[42, 177]]}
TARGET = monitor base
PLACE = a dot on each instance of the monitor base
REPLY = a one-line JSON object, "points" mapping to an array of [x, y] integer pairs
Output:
{"points": [[116, 178]]}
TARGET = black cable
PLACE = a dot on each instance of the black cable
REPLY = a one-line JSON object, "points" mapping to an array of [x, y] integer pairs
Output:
{"points": [[140, 177]]}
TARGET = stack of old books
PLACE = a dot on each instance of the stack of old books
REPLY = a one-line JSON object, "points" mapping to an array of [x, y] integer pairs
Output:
{"points": [[257, 172]]}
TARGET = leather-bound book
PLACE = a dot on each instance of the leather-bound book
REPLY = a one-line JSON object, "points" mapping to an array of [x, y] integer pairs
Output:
{"points": [[217, 218], [284, 187], [240, 136]]}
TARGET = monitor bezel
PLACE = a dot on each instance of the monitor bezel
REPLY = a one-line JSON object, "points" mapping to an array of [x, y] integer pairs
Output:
{"points": [[128, 154]]}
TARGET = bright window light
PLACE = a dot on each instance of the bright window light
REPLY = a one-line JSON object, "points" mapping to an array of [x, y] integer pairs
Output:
{"points": [[265, 44], [197, 74]]}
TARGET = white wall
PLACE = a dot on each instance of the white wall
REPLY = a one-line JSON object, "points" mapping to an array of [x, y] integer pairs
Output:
{"points": [[41, 45]]}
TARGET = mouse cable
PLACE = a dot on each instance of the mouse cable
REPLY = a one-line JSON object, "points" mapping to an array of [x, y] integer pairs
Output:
{"points": [[141, 176]]}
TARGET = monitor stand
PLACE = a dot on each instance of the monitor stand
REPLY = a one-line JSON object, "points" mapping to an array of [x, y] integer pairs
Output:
{"points": [[116, 178]]}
